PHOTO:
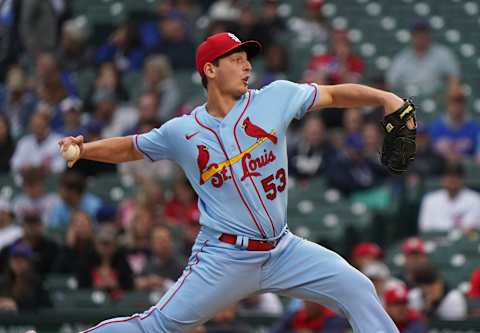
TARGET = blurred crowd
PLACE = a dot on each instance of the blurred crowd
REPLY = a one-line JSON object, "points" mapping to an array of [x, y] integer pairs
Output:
{"points": [[55, 83]]}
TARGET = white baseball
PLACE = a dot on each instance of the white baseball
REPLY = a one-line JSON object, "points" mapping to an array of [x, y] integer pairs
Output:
{"points": [[72, 152]]}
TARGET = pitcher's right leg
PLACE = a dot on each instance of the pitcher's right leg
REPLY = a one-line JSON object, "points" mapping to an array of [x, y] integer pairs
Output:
{"points": [[214, 278]]}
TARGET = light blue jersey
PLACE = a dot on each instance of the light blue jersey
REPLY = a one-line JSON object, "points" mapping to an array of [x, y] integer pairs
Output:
{"points": [[237, 165]]}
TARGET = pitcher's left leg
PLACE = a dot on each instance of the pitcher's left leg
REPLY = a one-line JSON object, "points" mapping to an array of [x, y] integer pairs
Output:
{"points": [[302, 269]]}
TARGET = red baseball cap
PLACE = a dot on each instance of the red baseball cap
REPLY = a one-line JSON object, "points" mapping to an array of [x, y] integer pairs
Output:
{"points": [[396, 294], [413, 245], [220, 44], [367, 249]]}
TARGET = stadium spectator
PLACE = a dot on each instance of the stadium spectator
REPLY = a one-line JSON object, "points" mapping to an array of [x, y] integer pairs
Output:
{"points": [[250, 27], [158, 78], [72, 190], [7, 145], [276, 64], [261, 304], [176, 42], [271, 20], [147, 112], [407, 319], [34, 197], [123, 48], [10, 231], [309, 157], [34, 235], [40, 148], [312, 26], [107, 78], [312, 317], [10, 44], [338, 65], [453, 206], [435, 298], [73, 52], [107, 269], [21, 288], [364, 254], [423, 67], [455, 135], [413, 250], [79, 244], [51, 85], [164, 265], [137, 240], [427, 161], [71, 113], [182, 209], [39, 21], [351, 171], [353, 122], [17, 101]]}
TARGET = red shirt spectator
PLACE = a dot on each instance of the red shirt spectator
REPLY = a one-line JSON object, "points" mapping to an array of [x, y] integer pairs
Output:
{"points": [[407, 319], [339, 65], [182, 208], [474, 291]]}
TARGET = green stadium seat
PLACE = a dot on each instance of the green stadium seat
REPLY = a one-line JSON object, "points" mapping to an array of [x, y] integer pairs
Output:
{"points": [[80, 299]]}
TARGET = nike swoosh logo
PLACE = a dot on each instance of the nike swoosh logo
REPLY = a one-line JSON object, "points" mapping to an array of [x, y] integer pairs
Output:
{"points": [[189, 136]]}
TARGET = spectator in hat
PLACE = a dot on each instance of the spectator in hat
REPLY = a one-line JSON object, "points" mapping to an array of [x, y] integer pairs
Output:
{"points": [[309, 157], [164, 266], [338, 65], [311, 317], [21, 287], [366, 253], [34, 197], [73, 194], [423, 67], [44, 249], [407, 319], [107, 78], [107, 269], [74, 53], [40, 148], [123, 48], [7, 145], [350, 171], [9, 230], [452, 207], [413, 250], [454, 135], [434, 298], [71, 113], [158, 79]]}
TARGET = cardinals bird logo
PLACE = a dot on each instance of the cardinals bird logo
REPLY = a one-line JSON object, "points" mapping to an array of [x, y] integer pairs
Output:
{"points": [[257, 132], [202, 159]]}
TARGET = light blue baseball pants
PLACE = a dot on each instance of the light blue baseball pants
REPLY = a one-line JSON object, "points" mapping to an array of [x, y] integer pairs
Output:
{"points": [[219, 274]]}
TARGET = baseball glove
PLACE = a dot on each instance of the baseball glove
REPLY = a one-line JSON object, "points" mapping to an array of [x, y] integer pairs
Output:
{"points": [[398, 149]]}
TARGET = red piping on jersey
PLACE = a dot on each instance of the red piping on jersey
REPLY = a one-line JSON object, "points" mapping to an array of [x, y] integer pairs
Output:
{"points": [[115, 321], [314, 96], [259, 228], [140, 149], [250, 176], [186, 276]]}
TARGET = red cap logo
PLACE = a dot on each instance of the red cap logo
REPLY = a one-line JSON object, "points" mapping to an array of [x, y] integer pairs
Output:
{"points": [[220, 44]]}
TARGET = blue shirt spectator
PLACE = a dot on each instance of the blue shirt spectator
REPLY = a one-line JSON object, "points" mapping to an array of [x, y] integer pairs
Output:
{"points": [[455, 135]]}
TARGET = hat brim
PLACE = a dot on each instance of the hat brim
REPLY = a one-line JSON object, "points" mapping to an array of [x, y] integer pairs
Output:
{"points": [[252, 47]]}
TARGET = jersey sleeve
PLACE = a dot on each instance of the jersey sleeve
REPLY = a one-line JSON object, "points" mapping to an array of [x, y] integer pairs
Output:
{"points": [[154, 145], [296, 98]]}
